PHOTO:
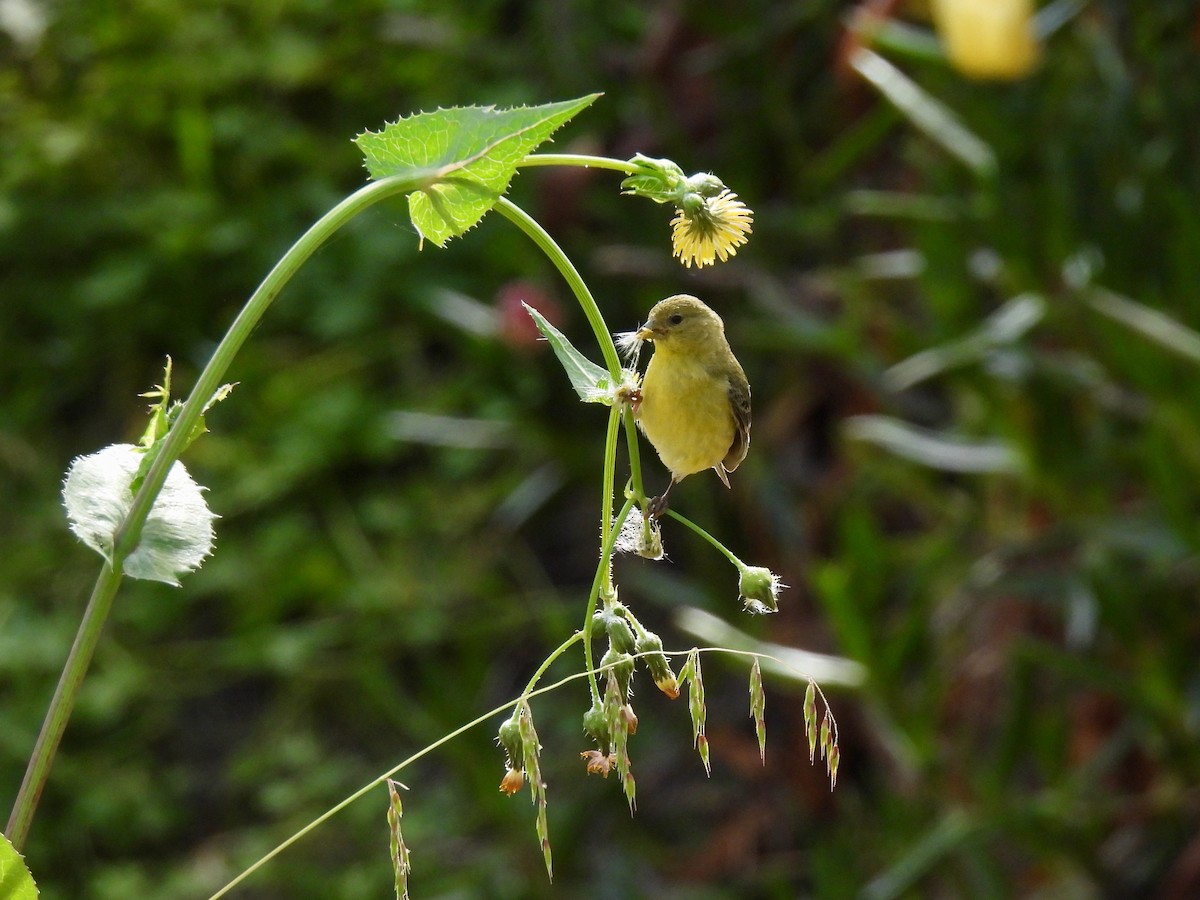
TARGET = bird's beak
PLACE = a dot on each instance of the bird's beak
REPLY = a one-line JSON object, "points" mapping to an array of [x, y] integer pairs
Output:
{"points": [[646, 333]]}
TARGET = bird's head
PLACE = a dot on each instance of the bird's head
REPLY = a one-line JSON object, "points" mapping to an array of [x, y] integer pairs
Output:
{"points": [[680, 322]]}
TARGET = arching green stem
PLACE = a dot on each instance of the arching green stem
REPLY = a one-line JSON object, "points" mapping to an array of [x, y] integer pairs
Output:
{"points": [[708, 537], [130, 531], [580, 160], [574, 280]]}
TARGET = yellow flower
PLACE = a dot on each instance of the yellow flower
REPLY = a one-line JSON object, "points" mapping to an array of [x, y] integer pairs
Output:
{"points": [[988, 38], [706, 229]]}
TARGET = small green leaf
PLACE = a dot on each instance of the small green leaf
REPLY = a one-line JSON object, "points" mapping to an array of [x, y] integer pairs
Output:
{"points": [[592, 383], [156, 428], [163, 415], [466, 156], [15, 881]]}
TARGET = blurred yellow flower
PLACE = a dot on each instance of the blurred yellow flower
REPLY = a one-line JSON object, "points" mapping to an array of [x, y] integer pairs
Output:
{"points": [[988, 39], [708, 229]]}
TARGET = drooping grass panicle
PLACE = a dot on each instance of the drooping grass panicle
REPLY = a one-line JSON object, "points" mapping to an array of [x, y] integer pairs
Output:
{"points": [[691, 674], [758, 706], [401, 864]]}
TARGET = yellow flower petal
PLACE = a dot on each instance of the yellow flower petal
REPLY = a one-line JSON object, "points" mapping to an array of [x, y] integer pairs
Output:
{"points": [[714, 231]]}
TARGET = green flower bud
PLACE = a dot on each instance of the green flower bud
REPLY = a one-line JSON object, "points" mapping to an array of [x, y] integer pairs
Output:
{"points": [[705, 184], [649, 542], [595, 724], [510, 739], [620, 635], [694, 205], [658, 179], [622, 670], [759, 588], [650, 646]]}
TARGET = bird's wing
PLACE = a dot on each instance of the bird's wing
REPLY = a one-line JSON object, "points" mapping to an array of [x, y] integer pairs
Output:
{"points": [[739, 403]]}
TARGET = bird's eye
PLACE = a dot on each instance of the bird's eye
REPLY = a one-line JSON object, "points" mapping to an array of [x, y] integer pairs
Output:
{"points": [[675, 319]]}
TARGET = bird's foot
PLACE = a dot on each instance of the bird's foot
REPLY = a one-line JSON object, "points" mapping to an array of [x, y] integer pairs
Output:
{"points": [[656, 507], [632, 396]]}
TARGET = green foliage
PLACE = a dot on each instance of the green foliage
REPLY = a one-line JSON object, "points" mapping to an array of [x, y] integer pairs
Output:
{"points": [[468, 154], [591, 382], [15, 881], [1029, 722]]}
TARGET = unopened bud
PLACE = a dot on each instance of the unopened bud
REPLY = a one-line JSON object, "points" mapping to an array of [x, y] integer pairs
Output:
{"points": [[759, 588], [650, 543], [595, 724], [510, 739], [650, 646], [620, 635], [705, 184], [659, 179], [629, 719], [622, 668]]}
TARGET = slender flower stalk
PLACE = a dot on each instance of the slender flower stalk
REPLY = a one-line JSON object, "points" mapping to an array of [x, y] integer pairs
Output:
{"points": [[579, 159], [129, 532]]}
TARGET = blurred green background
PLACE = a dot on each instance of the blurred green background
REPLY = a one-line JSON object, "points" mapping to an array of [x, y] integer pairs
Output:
{"points": [[1002, 529]]}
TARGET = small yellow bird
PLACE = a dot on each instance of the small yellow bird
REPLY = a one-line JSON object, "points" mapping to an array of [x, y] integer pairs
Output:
{"points": [[695, 400]]}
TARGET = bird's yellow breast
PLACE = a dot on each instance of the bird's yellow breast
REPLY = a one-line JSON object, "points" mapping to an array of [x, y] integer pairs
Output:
{"points": [[685, 413]]}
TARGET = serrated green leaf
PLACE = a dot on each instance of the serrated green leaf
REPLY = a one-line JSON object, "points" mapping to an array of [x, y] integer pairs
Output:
{"points": [[466, 155], [591, 382], [16, 883]]}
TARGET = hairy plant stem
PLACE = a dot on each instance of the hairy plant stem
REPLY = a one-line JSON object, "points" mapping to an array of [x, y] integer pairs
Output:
{"points": [[635, 459], [535, 232], [546, 664], [708, 537], [128, 534], [425, 751], [580, 160], [86, 638], [612, 362]]}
